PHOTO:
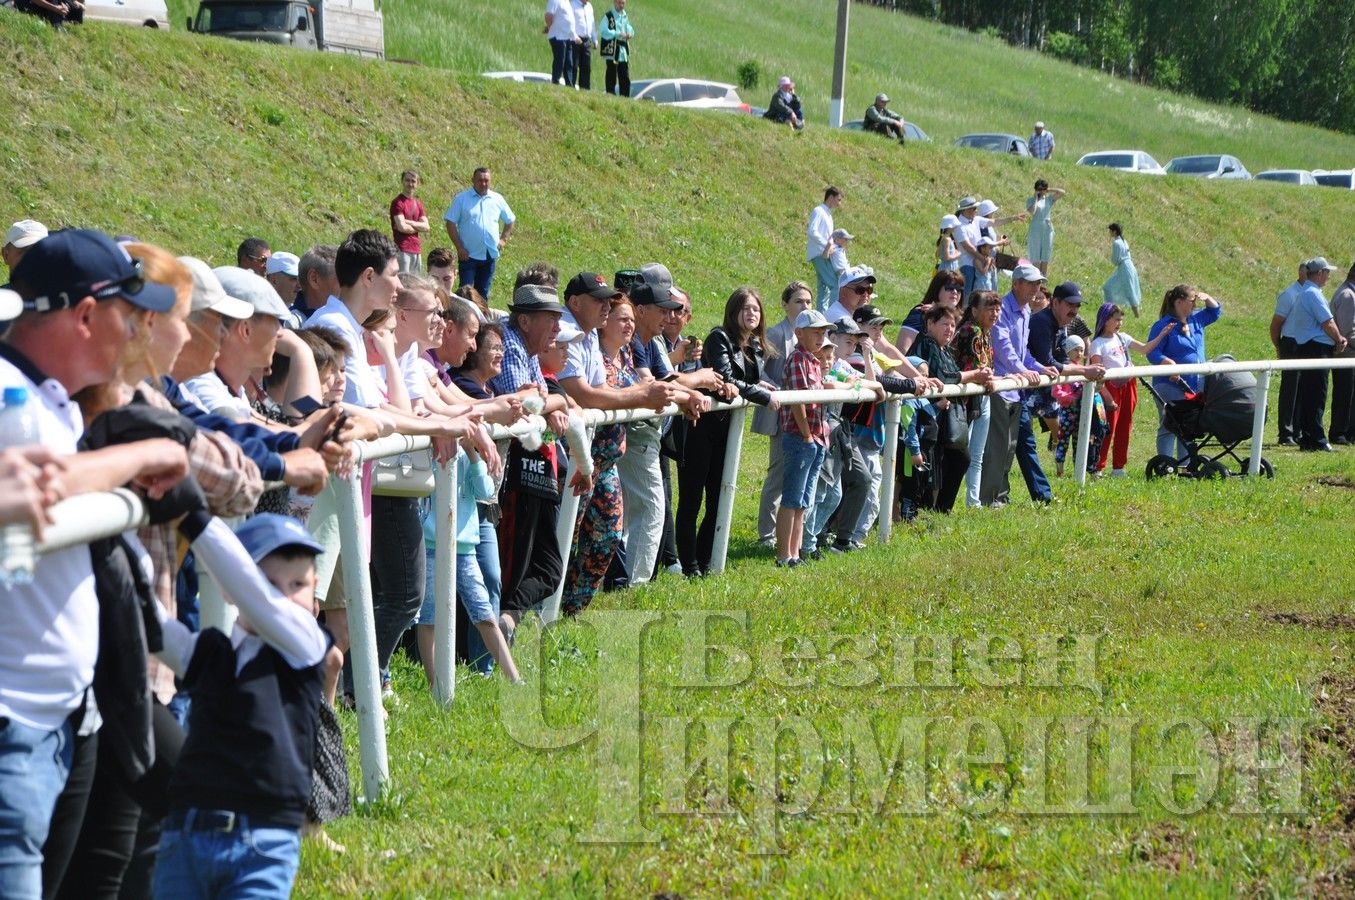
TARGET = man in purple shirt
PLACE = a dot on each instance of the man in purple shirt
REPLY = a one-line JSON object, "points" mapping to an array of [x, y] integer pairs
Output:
{"points": [[1009, 431]]}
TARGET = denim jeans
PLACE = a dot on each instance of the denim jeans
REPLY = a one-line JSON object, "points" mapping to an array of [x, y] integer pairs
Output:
{"points": [[34, 764], [969, 278], [826, 283], [1028, 458], [562, 62], [978, 436], [246, 862], [477, 272], [1167, 442], [801, 463]]}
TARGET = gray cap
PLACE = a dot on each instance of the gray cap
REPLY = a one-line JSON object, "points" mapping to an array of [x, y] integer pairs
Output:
{"points": [[656, 289], [1027, 272], [881, 98], [967, 202], [253, 289], [535, 298], [1318, 264], [209, 294]]}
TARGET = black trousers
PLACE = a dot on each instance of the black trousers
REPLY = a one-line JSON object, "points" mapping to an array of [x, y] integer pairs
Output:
{"points": [[1342, 404], [699, 477], [583, 66], [528, 553], [668, 555], [397, 571], [562, 62], [69, 812], [1312, 399], [1289, 392], [618, 78]]}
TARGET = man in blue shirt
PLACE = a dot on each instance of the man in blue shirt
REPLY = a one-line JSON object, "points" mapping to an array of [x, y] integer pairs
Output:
{"points": [[473, 222], [1311, 325]]}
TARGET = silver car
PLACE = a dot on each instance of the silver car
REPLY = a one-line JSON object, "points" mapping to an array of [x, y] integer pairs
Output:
{"points": [[1213, 165], [691, 93], [995, 143], [1123, 161], [1288, 176], [910, 131]]}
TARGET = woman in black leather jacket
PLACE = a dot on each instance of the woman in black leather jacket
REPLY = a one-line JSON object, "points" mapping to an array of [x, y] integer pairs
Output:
{"points": [[735, 352]]}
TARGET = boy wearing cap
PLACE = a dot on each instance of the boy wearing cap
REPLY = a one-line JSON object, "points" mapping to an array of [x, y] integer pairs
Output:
{"points": [[243, 778], [804, 436]]}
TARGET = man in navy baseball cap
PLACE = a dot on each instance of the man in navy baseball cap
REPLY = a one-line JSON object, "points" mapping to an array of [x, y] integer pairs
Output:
{"points": [[68, 266]]}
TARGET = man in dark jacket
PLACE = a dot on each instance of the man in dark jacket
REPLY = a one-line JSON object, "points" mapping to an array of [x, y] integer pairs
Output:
{"points": [[883, 120], [785, 105]]}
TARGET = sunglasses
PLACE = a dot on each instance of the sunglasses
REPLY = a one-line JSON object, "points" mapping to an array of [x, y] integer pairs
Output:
{"points": [[951, 287], [862, 289], [132, 284]]}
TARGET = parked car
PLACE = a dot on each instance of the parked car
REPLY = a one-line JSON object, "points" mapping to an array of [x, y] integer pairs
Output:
{"points": [[533, 77], [996, 143], [147, 13], [339, 26], [1213, 165], [910, 131], [1340, 178], [1123, 161], [691, 93], [1288, 176]]}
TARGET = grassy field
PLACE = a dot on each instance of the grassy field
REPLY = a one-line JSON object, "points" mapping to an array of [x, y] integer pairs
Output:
{"points": [[1211, 601]]}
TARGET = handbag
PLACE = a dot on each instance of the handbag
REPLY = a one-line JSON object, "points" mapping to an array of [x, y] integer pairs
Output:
{"points": [[405, 475], [955, 426], [1006, 261]]}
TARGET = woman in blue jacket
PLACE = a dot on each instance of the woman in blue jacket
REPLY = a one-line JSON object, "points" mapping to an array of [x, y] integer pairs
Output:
{"points": [[1184, 345]]}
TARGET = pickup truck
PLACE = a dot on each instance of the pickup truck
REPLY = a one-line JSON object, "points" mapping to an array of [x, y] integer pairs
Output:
{"points": [[339, 26]]}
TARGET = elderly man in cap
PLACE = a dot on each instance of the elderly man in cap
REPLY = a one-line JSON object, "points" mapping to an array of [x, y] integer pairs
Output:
{"points": [[883, 120], [1316, 336], [1009, 431], [283, 272], [1041, 143], [78, 291], [1048, 330], [248, 345], [20, 236], [854, 290], [784, 108]]}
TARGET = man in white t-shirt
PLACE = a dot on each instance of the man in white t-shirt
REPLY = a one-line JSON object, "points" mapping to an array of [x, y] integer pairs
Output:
{"points": [[820, 245], [560, 30], [79, 290], [585, 29], [966, 236], [854, 289]]}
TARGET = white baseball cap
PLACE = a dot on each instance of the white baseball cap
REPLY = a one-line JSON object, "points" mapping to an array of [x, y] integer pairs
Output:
{"points": [[209, 294], [253, 289], [1039, 124], [286, 263], [25, 233]]}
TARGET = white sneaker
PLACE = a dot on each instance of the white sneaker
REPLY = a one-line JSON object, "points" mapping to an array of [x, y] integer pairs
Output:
{"points": [[674, 569], [1118, 473]]}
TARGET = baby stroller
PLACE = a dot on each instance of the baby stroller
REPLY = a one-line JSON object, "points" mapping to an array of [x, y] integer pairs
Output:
{"points": [[1211, 425]]}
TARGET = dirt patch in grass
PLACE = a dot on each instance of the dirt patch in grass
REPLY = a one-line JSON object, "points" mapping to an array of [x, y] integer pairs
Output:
{"points": [[1166, 846], [1334, 621], [1337, 481]]}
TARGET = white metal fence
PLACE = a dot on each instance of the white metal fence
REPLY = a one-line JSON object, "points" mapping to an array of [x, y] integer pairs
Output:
{"points": [[90, 516]]}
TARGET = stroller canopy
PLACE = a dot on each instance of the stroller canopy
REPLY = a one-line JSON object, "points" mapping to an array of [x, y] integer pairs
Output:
{"points": [[1229, 403]]}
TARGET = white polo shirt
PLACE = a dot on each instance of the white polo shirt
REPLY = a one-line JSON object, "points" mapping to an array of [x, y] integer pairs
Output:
{"points": [[967, 231], [49, 635], [584, 356], [212, 394], [562, 26], [360, 386]]}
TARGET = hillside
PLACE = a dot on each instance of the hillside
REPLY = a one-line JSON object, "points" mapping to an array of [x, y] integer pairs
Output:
{"points": [[199, 142]]}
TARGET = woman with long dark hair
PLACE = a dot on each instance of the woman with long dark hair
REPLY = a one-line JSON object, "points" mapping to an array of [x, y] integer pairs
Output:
{"points": [[735, 351], [947, 289]]}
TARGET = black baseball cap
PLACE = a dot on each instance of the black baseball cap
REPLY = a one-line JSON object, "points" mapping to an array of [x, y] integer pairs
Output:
{"points": [[646, 294], [870, 314], [69, 265], [592, 284]]}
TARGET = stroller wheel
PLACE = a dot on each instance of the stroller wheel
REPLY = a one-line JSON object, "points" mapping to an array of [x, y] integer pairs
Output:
{"points": [[1267, 470], [1213, 470], [1160, 466]]}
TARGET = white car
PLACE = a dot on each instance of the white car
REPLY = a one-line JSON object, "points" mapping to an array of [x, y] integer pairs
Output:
{"points": [[1210, 165], [1337, 178], [1288, 176], [692, 93], [147, 13], [1123, 161], [533, 77]]}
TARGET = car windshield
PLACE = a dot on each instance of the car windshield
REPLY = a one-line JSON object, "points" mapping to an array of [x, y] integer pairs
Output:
{"points": [[1192, 165], [1337, 179], [1113, 160], [243, 17], [996, 142]]}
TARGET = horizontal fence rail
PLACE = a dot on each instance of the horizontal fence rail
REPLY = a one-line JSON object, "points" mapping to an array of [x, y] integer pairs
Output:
{"points": [[87, 517]]}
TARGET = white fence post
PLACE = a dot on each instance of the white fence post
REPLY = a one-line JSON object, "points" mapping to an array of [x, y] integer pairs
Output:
{"points": [[444, 583], [729, 485], [888, 462], [564, 534], [1258, 422], [362, 637], [1084, 429]]}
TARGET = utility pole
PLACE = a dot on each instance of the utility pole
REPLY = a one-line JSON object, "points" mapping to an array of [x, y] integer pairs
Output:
{"points": [[839, 65]]}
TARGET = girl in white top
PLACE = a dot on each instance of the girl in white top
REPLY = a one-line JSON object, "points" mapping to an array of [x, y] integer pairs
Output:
{"points": [[947, 254], [1110, 348]]}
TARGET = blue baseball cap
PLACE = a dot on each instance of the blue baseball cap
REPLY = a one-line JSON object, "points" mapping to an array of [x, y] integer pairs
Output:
{"points": [[69, 265], [269, 532]]}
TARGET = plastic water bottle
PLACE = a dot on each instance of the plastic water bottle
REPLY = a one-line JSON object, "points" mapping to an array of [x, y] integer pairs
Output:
{"points": [[18, 551]]}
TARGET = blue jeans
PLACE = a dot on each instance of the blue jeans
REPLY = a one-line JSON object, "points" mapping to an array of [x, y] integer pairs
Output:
{"points": [[801, 470], [561, 63], [826, 290], [978, 436], [33, 767], [246, 862], [491, 578], [1028, 458], [478, 273], [1167, 442], [969, 277]]}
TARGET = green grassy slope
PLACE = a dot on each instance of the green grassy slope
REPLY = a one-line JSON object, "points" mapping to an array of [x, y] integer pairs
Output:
{"points": [[196, 143], [950, 81]]}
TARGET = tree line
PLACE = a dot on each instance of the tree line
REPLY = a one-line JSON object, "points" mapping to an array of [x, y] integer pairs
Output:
{"points": [[1287, 58]]}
